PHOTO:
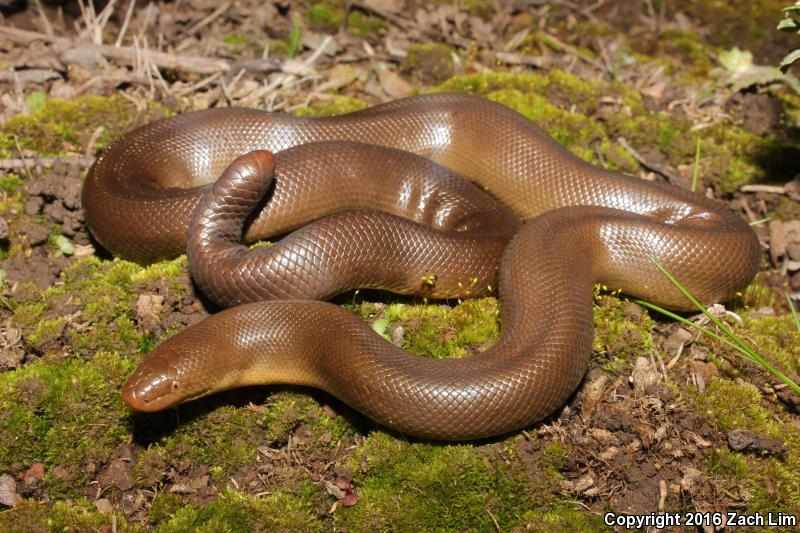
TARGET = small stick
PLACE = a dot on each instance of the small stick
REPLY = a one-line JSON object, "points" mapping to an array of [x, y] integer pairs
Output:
{"points": [[48, 29], [128, 54], [774, 189], [22, 163], [125, 23], [25, 165], [649, 166], [209, 19]]}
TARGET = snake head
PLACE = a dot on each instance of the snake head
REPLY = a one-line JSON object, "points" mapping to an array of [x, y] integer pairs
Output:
{"points": [[160, 382]]}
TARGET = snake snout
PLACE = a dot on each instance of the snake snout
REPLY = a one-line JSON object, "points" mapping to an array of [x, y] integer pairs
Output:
{"points": [[152, 387]]}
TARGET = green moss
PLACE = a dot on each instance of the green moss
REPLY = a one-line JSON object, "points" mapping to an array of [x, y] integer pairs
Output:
{"points": [[235, 512], [622, 331], [431, 63], [724, 462], [362, 25], [565, 105], [67, 125], [224, 439], [337, 105], [440, 330], [766, 483], [327, 16], [776, 339], [563, 517], [684, 49], [12, 197], [748, 25], [164, 506], [66, 414], [10, 183], [736, 406], [286, 411], [102, 296], [234, 40], [411, 486], [62, 516]]}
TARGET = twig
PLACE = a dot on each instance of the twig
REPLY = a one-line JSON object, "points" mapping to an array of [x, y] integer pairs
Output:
{"points": [[774, 189], [48, 29], [128, 54], [209, 19], [511, 58], [34, 75], [125, 23], [22, 163], [25, 165], [95, 23], [579, 9], [560, 46], [649, 166], [375, 10]]}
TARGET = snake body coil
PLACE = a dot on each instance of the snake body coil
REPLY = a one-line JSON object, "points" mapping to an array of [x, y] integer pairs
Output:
{"points": [[435, 235]]}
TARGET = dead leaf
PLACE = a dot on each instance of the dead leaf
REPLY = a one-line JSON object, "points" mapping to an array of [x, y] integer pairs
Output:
{"points": [[393, 85], [149, 307], [339, 76]]}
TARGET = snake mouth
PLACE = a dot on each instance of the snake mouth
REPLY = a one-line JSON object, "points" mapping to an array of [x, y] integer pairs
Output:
{"points": [[153, 386]]}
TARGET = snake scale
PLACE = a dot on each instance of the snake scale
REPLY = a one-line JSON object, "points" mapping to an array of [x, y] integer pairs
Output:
{"points": [[381, 199]]}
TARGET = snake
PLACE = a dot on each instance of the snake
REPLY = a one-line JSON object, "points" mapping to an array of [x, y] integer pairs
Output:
{"points": [[438, 195]]}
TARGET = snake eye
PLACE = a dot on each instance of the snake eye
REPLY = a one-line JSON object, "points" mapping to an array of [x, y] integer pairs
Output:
{"points": [[175, 385]]}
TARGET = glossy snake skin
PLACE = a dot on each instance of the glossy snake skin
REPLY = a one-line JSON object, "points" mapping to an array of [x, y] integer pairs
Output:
{"points": [[379, 216]]}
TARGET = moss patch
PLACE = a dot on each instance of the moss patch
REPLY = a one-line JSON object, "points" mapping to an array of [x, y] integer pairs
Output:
{"points": [[570, 110], [59, 125], [66, 414], [328, 15]]}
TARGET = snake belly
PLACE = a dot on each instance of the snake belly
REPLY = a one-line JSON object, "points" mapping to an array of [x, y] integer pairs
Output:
{"points": [[583, 225]]}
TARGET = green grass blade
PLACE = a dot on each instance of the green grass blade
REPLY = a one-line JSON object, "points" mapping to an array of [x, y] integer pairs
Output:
{"points": [[294, 38], [688, 322], [732, 339], [696, 170]]}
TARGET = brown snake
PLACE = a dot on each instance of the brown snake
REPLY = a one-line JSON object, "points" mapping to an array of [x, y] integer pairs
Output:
{"points": [[438, 236]]}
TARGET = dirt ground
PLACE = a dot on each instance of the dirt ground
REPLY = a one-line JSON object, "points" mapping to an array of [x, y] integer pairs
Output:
{"points": [[667, 420]]}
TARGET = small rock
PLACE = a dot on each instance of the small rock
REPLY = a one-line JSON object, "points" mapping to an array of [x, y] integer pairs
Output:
{"points": [[741, 440], [3, 228], [350, 498], [33, 205], [11, 358], [8, 491], [793, 251], [104, 505], [199, 483], [678, 338], [632, 311], [36, 233], [149, 307], [703, 373], [118, 475], [180, 488], [85, 57], [343, 472]]}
